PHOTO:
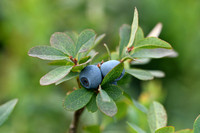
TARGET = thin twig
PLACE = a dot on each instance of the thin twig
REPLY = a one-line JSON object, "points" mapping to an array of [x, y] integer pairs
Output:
{"points": [[74, 125]]}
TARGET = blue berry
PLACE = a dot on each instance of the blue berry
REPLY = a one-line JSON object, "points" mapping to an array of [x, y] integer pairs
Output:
{"points": [[106, 67], [90, 77]]}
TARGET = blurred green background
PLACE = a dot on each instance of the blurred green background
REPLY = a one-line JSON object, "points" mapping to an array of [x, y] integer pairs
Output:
{"points": [[27, 23]]}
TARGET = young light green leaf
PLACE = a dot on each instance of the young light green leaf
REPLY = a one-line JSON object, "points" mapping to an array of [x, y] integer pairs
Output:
{"points": [[151, 43], [155, 32], [124, 33], [196, 125], [157, 73], [134, 28], [139, 35], [69, 76], [113, 91], [92, 105], [108, 51], [104, 95], [185, 131], [55, 75], [108, 108], [85, 40], [135, 128], [140, 74], [168, 129], [154, 53], [6, 109], [157, 116], [113, 74], [77, 99], [63, 42], [47, 53]]}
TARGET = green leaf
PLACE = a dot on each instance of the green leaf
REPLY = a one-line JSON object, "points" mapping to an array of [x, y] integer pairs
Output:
{"points": [[140, 106], [168, 129], [124, 33], [47, 53], [157, 73], [71, 75], [196, 125], [113, 91], [55, 75], [140, 61], [154, 53], [157, 116], [92, 105], [61, 63], [73, 35], [77, 99], [113, 74], [185, 131], [134, 28], [108, 108], [79, 67], [135, 128], [136, 103], [104, 95], [139, 35], [6, 109], [84, 59], [151, 43], [85, 40], [98, 40], [140, 74], [63, 42], [92, 129]]}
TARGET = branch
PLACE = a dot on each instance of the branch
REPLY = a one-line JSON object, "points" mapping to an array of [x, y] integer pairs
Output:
{"points": [[74, 125]]}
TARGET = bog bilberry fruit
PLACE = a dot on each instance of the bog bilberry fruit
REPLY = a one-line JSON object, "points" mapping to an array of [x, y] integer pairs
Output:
{"points": [[90, 77], [106, 67]]}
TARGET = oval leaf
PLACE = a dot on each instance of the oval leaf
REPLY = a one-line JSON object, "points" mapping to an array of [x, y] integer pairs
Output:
{"points": [[92, 105], [157, 116], [154, 53], [113, 91], [134, 28], [47, 53], [108, 108], [140, 74], [6, 109], [55, 75], [104, 96], [85, 40], [168, 129], [77, 99], [113, 74], [63, 42], [68, 77], [196, 125], [124, 33], [150, 43]]}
